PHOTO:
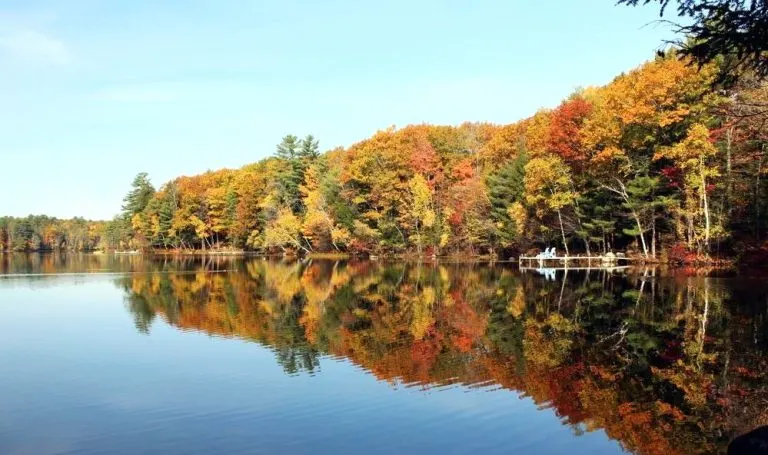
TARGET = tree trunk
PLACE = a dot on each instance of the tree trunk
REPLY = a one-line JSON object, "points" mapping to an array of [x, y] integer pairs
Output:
{"points": [[707, 222], [402, 236], [757, 197], [640, 233], [330, 227], [728, 169], [309, 248], [578, 220], [418, 235], [690, 235], [705, 201], [562, 231], [602, 244], [624, 195]]}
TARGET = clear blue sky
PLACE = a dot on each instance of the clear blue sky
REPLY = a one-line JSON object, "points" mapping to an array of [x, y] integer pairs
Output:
{"points": [[93, 92]]}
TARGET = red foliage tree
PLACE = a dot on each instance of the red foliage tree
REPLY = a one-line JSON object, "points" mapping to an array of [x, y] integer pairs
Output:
{"points": [[564, 128]]}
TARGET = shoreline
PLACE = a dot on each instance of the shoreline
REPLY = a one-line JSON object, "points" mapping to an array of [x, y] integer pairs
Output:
{"points": [[638, 261]]}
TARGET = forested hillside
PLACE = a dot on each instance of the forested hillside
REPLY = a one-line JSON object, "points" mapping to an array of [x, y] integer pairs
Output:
{"points": [[664, 162], [43, 233]]}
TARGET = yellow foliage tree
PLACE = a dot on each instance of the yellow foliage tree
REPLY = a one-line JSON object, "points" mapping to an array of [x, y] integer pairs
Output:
{"points": [[548, 187], [695, 156]]}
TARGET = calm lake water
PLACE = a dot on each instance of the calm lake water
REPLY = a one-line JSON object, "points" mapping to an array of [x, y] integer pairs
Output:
{"points": [[126, 355]]}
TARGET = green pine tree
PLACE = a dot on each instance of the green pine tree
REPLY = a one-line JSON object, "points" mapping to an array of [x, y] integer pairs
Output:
{"points": [[310, 149], [138, 198], [505, 187], [297, 155]]}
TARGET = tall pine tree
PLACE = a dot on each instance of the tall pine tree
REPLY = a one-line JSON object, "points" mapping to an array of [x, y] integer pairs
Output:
{"points": [[138, 198], [505, 187]]}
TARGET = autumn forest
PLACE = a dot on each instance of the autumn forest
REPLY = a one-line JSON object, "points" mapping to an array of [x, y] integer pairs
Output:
{"points": [[665, 162]]}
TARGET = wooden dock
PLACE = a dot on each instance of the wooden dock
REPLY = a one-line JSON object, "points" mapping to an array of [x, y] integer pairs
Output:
{"points": [[608, 268], [577, 261]]}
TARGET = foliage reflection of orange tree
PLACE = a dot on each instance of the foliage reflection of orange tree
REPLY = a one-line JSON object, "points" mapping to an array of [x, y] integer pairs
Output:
{"points": [[656, 366]]}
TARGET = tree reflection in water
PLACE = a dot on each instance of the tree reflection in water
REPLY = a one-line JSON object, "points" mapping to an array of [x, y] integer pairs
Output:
{"points": [[663, 362]]}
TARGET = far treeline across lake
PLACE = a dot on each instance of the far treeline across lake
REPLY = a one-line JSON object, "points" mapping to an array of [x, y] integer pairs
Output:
{"points": [[665, 163]]}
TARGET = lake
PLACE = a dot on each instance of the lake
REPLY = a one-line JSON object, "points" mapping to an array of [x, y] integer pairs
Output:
{"points": [[158, 355]]}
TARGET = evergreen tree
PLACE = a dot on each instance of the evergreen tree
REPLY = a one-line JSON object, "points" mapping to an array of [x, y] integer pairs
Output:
{"points": [[642, 204], [288, 149], [296, 155], [506, 187], [166, 212], [310, 148], [733, 31], [597, 210], [114, 232], [4, 235], [22, 235], [159, 214], [138, 198]]}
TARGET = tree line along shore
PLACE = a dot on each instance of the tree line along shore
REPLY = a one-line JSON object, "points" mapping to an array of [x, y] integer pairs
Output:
{"points": [[665, 163]]}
